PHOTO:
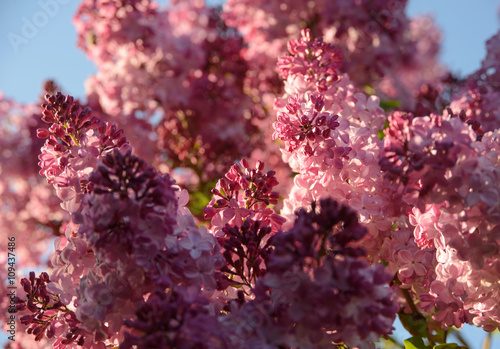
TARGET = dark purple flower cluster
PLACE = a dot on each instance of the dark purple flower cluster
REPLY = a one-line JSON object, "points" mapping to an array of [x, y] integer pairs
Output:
{"points": [[131, 209], [169, 320], [142, 241], [245, 248], [315, 235], [316, 284]]}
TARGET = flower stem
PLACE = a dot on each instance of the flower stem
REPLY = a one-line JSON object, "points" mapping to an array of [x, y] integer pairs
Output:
{"points": [[487, 341]]}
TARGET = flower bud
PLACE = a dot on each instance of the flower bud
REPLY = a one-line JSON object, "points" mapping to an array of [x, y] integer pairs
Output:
{"points": [[42, 133]]}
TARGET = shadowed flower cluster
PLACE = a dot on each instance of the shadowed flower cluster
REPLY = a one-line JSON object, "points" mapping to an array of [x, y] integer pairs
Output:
{"points": [[316, 284]]}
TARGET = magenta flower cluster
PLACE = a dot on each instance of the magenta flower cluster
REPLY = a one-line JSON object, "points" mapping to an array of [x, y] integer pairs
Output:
{"points": [[244, 193], [73, 147]]}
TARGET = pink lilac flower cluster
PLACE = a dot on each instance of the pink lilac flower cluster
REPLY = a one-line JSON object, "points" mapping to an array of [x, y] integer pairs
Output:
{"points": [[438, 173], [315, 60], [127, 236], [445, 167], [378, 40], [330, 136], [419, 151], [29, 209], [462, 227], [109, 31], [174, 72], [478, 96], [75, 143], [244, 193], [354, 176]]}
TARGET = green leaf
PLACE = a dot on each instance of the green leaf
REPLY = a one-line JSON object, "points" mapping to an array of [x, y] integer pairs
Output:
{"points": [[447, 346], [197, 202], [389, 104], [439, 336], [369, 90], [414, 343], [381, 134], [416, 324]]}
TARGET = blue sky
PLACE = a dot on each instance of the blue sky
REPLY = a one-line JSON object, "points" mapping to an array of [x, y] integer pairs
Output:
{"points": [[38, 42]]}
